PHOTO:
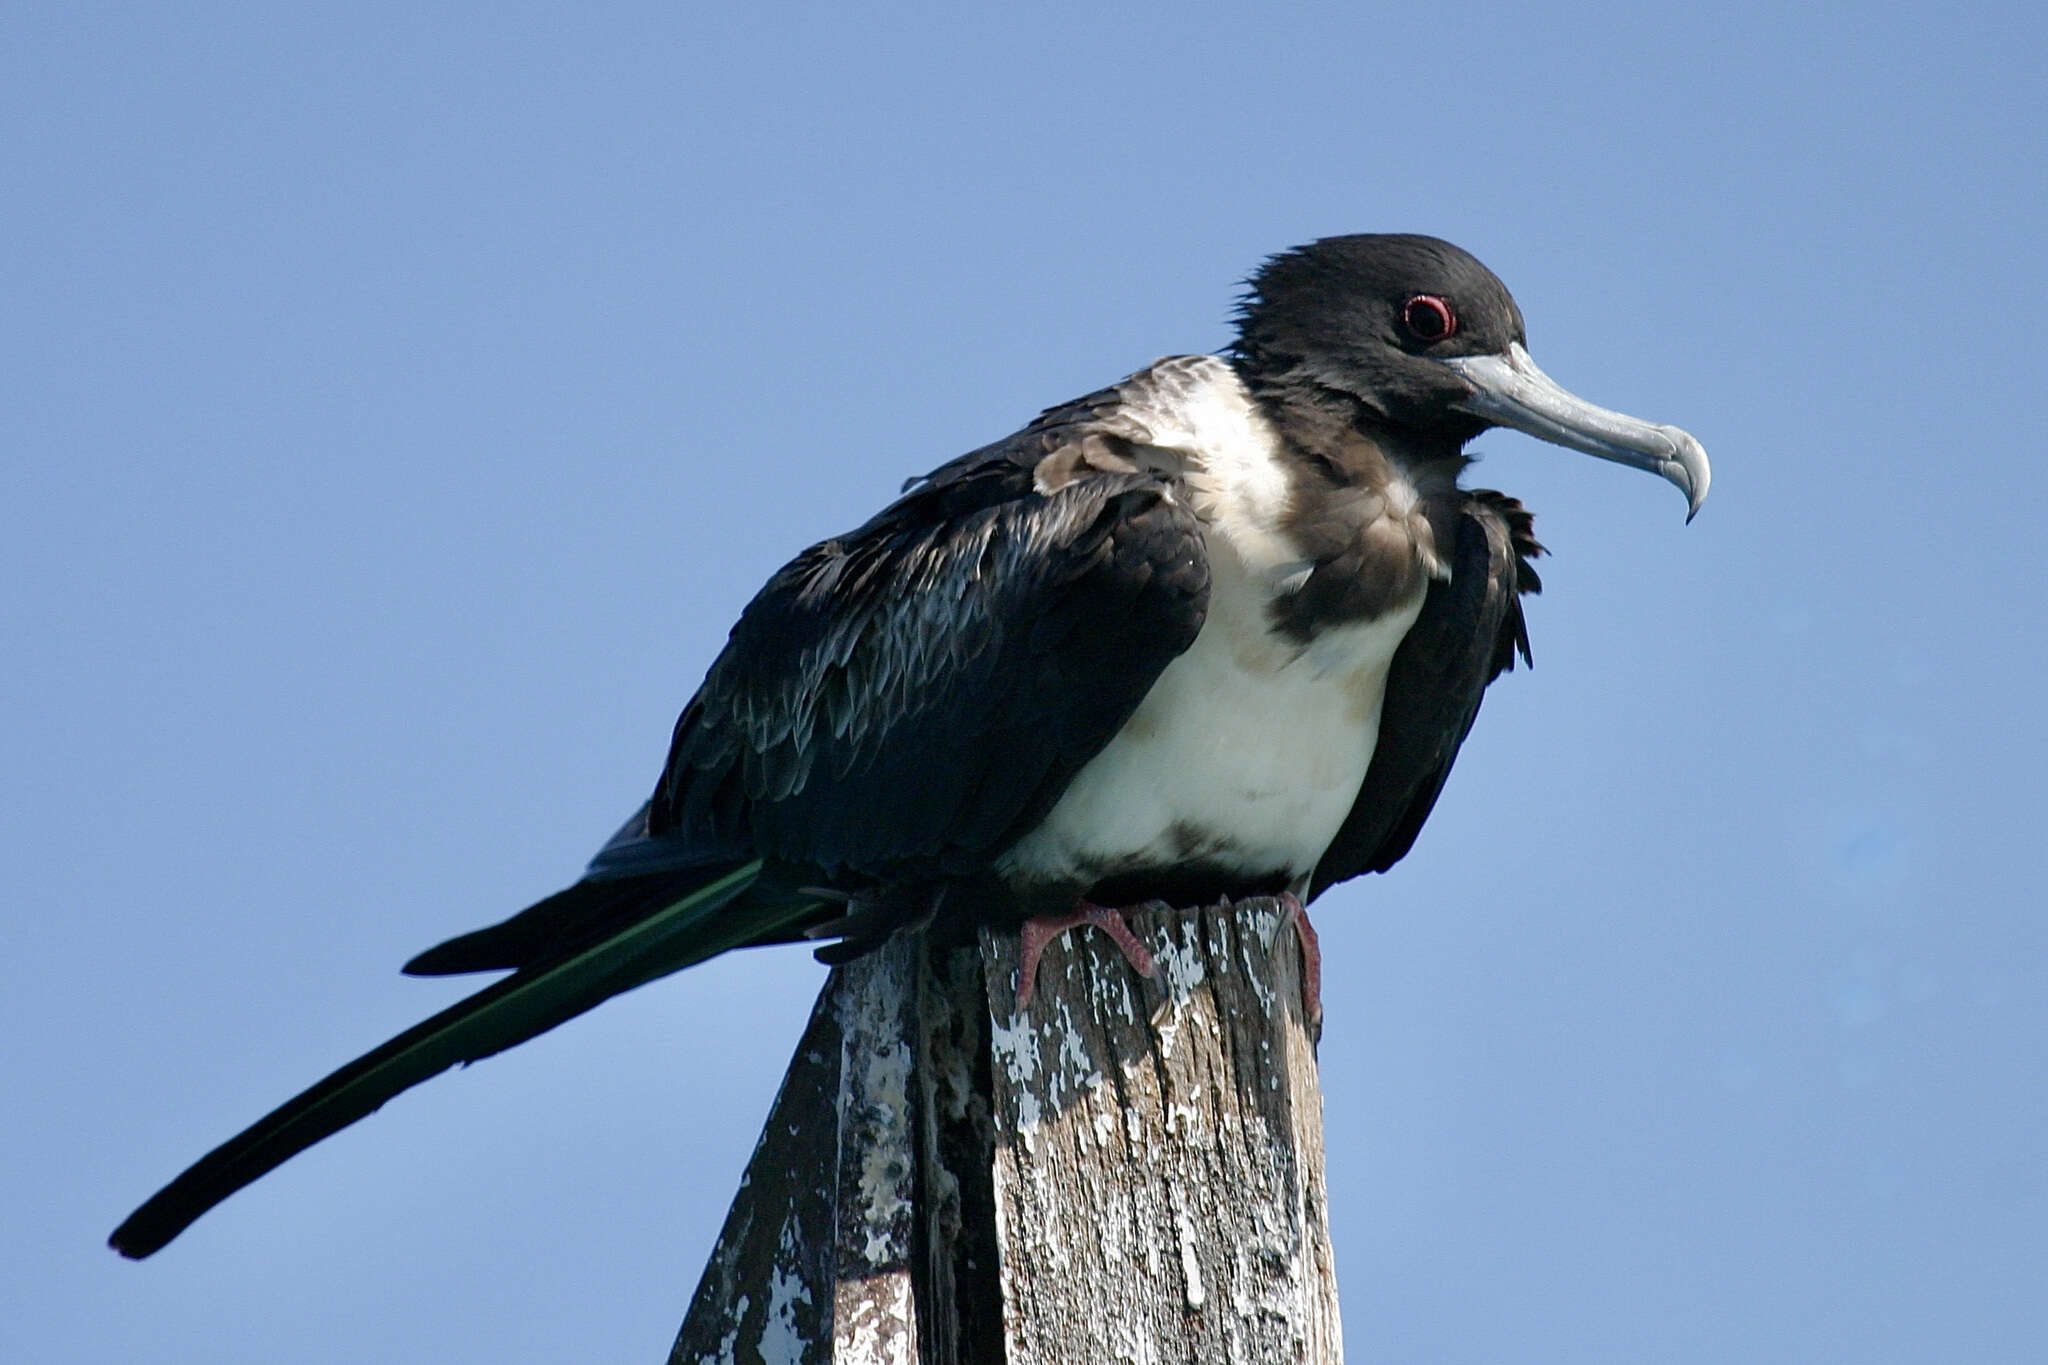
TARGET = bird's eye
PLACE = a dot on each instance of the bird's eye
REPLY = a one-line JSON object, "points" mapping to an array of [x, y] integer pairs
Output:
{"points": [[1428, 318]]}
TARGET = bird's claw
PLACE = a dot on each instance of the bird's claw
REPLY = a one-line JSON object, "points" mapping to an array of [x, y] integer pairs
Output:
{"points": [[1041, 930]]}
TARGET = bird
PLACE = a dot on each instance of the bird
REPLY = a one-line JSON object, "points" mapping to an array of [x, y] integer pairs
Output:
{"points": [[1217, 630]]}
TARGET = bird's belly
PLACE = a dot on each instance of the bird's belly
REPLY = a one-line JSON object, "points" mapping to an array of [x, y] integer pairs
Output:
{"points": [[1244, 759]]}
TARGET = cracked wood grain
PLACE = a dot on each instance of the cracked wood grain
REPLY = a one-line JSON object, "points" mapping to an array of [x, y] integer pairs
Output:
{"points": [[1159, 1163], [1129, 1170]]}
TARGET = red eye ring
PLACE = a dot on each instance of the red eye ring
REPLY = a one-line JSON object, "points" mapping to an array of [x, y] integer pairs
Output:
{"points": [[1429, 318]]}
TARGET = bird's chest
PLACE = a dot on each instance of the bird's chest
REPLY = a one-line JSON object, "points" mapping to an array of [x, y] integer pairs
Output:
{"points": [[1245, 757]]}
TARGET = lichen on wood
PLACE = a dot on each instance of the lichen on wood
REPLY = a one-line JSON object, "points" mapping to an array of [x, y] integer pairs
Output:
{"points": [[1128, 1170], [1159, 1169]]}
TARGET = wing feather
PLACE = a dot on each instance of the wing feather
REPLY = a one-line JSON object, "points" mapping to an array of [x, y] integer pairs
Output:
{"points": [[1470, 631], [906, 700]]}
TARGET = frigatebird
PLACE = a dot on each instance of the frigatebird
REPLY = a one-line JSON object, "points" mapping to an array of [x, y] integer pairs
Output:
{"points": [[1216, 630]]}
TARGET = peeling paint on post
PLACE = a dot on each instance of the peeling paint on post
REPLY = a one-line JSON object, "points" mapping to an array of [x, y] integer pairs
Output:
{"points": [[874, 1313], [1129, 1170], [1159, 1165]]}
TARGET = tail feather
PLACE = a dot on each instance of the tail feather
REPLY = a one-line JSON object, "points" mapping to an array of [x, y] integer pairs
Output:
{"points": [[665, 935], [584, 913]]}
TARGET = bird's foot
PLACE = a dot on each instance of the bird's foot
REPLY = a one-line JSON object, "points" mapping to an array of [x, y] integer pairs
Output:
{"points": [[1043, 929], [1293, 912]]}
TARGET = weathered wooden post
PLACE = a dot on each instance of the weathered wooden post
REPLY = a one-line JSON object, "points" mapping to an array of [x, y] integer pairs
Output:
{"points": [[1130, 1169]]}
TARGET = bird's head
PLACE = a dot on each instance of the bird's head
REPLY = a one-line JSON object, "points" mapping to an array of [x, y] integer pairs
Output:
{"points": [[1427, 341]]}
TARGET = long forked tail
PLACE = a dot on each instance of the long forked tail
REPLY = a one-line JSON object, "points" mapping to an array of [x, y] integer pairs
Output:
{"points": [[668, 935]]}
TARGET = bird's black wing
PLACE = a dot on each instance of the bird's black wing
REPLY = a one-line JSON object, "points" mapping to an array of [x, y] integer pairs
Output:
{"points": [[906, 701], [902, 702], [1468, 634]]}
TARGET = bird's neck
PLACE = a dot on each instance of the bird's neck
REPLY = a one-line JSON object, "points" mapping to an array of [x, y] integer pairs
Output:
{"points": [[1373, 510], [1367, 450]]}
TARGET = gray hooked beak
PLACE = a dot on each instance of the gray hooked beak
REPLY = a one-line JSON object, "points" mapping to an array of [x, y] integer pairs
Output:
{"points": [[1510, 391]]}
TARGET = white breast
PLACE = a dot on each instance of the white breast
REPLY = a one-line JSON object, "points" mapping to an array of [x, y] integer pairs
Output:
{"points": [[1246, 754], [1249, 751]]}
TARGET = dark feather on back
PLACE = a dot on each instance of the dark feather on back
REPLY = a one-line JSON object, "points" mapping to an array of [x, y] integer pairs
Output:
{"points": [[829, 733]]}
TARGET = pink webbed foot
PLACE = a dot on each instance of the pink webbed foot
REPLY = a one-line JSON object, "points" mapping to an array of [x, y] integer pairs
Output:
{"points": [[1043, 929], [1293, 912]]}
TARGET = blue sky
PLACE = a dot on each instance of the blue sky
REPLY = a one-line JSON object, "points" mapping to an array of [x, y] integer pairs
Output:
{"points": [[400, 402]]}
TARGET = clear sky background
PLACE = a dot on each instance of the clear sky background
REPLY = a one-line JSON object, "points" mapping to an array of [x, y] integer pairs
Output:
{"points": [[400, 401]]}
